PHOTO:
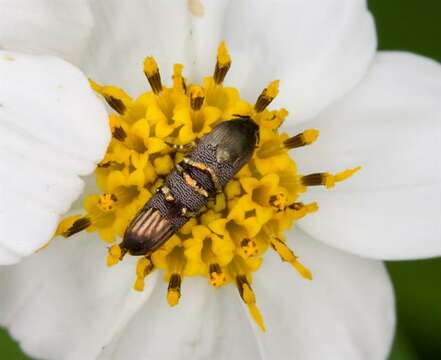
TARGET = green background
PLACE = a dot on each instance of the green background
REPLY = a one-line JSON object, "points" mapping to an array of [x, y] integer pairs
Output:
{"points": [[402, 25]]}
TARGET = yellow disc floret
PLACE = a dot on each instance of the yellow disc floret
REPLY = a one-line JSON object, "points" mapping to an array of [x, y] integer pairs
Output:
{"points": [[228, 240]]}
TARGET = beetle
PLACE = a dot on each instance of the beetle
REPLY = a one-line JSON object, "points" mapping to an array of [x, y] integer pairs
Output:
{"points": [[202, 174]]}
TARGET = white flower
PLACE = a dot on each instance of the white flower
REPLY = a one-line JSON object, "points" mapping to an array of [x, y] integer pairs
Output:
{"points": [[379, 110]]}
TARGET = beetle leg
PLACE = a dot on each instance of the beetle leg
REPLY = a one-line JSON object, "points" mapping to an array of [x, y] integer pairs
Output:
{"points": [[143, 268]]}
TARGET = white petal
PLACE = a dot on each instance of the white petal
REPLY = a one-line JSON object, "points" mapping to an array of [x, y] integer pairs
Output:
{"points": [[59, 28], [52, 129], [390, 125], [207, 324], [345, 312], [318, 49], [402, 223], [128, 31], [64, 303]]}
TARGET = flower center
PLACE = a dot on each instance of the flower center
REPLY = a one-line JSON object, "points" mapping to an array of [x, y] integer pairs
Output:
{"points": [[225, 242]]}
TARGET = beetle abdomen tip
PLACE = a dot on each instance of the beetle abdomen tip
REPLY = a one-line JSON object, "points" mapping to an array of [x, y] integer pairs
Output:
{"points": [[147, 232]]}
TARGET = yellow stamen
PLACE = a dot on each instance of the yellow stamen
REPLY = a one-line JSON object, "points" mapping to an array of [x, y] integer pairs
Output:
{"points": [[248, 248], [106, 202], [278, 201], [310, 135], [175, 261], [271, 148], [341, 176], [196, 97], [276, 119], [178, 79], [117, 98], [118, 131], [139, 284], [286, 254], [173, 297], [281, 115], [302, 209], [267, 95], [150, 66], [248, 294], [276, 147], [257, 316], [328, 179], [72, 225], [143, 268], [305, 138], [249, 299], [174, 290], [115, 255], [151, 71], [223, 64], [223, 57], [272, 90], [217, 277]]}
